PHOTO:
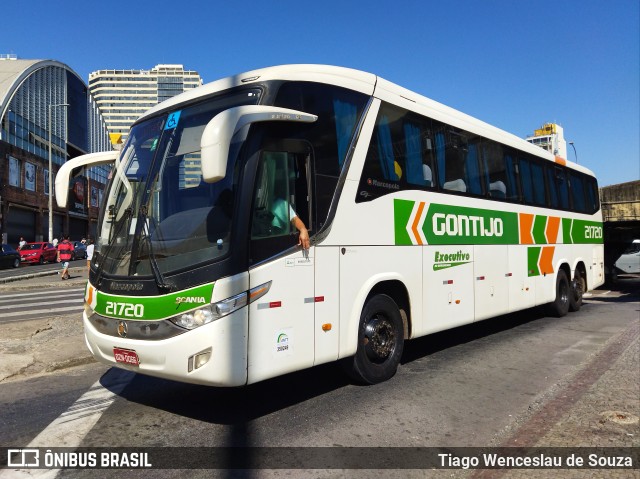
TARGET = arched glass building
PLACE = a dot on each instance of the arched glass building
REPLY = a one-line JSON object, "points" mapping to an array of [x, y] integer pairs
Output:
{"points": [[45, 107]]}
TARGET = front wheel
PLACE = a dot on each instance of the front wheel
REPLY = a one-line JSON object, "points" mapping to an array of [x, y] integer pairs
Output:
{"points": [[560, 306], [380, 342], [578, 288], [16, 263]]}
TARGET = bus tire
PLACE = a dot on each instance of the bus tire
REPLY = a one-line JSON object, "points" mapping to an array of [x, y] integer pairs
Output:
{"points": [[380, 342], [578, 288], [560, 306]]}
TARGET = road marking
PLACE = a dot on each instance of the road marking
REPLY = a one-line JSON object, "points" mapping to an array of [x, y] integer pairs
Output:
{"points": [[62, 301], [71, 427], [31, 312], [49, 292]]}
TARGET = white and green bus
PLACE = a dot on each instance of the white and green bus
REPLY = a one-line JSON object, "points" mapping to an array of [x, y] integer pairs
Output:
{"points": [[420, 219]]}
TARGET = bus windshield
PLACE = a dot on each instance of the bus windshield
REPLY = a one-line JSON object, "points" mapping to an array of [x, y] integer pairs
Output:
{"points": [[159, 215]]}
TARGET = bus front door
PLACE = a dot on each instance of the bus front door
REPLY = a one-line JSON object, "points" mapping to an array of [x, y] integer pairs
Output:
{"points": [[281, 323]]}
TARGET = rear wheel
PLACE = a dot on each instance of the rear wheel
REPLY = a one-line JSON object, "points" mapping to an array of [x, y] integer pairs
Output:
{"points": [[41, 260], [16, 263], [380, 342], [578, 288], [560, 306]]}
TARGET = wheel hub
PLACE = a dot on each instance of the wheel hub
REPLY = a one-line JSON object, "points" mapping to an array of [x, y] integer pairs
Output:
{"points": [[379, 339]]}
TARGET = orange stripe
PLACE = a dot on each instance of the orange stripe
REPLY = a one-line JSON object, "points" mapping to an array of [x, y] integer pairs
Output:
{"points": [[553, 225], [561, 161], [416, 221], [546, 259], [526, 222]]}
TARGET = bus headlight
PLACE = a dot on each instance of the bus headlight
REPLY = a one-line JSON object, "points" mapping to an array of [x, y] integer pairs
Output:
{"points": [[212, 312], [194, 319]]}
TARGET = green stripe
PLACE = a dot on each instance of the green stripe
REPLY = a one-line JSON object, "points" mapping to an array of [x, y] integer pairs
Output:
{"points": [[402, 212], [539, 226], [566, 231], [154, 307], [586, 232], [453, 225], [533, 254], [450, 225]]}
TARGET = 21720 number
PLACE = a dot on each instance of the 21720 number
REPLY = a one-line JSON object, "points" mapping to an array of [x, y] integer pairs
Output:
{"points": [[127, 310]]}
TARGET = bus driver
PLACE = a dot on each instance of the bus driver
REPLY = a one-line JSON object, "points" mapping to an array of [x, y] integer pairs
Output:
{"points": [[281, 217]]}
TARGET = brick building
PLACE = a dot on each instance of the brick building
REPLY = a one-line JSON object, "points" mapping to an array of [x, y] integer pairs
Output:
{"points": [[47, 116]]}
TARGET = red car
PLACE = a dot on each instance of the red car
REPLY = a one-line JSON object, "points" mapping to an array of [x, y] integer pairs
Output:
{"points": [[38, 253]]}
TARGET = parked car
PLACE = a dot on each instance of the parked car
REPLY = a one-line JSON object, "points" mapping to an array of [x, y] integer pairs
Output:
{"points": [[79, 251], [629, 261], [38, 252], [9, 257]]}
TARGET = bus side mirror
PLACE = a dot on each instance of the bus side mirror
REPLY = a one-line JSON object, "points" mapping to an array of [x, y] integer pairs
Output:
{"points": [[64, 173], [216, 137]]}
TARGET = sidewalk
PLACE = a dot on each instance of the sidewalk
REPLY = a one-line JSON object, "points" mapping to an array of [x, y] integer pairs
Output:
{"points": [[598, 407], [41, 277], [36, 347]]}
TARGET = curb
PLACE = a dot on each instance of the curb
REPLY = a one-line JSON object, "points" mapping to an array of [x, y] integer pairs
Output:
{"points": [[70, 363], [39, 274]]}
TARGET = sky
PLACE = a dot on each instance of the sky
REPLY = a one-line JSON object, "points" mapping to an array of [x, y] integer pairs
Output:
{"points": [[514, 64]]}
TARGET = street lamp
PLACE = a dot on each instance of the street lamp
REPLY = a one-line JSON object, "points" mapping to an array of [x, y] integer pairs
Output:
{"points": [[574, 150], [51, 172]]}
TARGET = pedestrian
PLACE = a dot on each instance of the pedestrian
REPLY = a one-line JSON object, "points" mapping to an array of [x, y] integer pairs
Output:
{"points": [[65, 249], [90, 247], [22, 243], [55, 242], [83, 241]]}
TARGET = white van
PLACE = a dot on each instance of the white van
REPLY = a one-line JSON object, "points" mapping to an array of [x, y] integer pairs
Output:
{"points": [[629, 261]]}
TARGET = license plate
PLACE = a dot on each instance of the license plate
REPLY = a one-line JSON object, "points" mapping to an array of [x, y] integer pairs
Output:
{"points": [[126, 356]]}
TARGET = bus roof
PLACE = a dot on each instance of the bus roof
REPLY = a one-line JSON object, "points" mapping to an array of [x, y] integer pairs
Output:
{"points": [[368, 84]]}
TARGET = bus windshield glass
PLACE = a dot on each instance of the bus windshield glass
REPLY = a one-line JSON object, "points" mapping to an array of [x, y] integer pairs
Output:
{"points": [[159, 215]]}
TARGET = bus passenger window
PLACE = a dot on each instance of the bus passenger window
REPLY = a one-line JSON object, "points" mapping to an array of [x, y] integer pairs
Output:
{"points": [[472, 170], [593, 201], [495, 168], [418, 155], [450, 161], [563, 188], [578, 193], [525, 177], [533, 184], [553, 190], [511, 169], [416, 173], [537, 179], [401, 155]]}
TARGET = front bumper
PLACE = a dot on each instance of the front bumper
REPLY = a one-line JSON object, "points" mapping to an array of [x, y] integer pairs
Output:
{"points": [[170, 358]]}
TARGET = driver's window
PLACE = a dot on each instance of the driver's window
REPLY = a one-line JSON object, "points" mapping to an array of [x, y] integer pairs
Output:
{"points": [[274, 203], [281, 198]]}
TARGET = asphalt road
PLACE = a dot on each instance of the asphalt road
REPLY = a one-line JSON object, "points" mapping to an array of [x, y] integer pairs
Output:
{"points": [[471, 386]]}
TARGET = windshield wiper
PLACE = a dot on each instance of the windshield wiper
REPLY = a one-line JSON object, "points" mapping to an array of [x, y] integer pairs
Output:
{"points": [[112, 240], [146, 236]]}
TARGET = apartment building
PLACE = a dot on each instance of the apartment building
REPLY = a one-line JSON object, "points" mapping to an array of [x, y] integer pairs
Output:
{"points": [[123, 95]]}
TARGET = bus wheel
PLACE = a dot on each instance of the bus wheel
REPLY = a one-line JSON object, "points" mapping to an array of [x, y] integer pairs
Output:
{"points": [[380, 342], [560, 307], [578, 287]]}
